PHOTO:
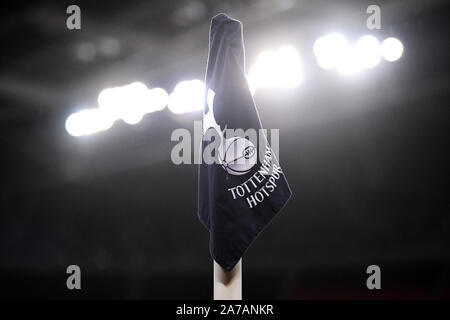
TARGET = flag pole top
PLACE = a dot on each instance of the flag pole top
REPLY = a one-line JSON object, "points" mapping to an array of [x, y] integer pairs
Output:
{"points": [[223, 18]]}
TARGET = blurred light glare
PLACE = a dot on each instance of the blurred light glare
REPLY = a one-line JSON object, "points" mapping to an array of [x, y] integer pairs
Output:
{"points": [[351, 62], [158, 98], [88, 121], [188, 13], [135, 102], [109, 100], [133, 116], [188, 96], [391, 49], [129, 103], [368, 50], [280, 68], [330, 50], [109, 46], [86, 51], [364, 55]]}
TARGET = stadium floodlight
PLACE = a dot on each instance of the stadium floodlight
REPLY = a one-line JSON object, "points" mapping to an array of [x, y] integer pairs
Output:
{"points": [[88, 121], [364, 55], [279, 68], [131, 102], [188, 96], [158, 99], [368, 51], [391, 49], [333, 52], [330, 50]]}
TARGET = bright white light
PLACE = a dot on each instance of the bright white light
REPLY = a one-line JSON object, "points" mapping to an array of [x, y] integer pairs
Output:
{"points": [[131, 102], [333, 52], [330, 50], [369, 51], [210, 97], [280, 68], [391, 49], [88, 121], [188, 96], [351, 62], [135, 102], [110, 100], [260, 73], [364, 55], [158, 98]]}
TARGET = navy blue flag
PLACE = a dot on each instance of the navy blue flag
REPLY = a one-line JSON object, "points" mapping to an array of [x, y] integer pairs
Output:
{"points": [[244, 188]]}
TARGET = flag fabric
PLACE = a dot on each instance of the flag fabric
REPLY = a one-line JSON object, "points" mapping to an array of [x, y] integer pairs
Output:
{"points": [[236, 199]]}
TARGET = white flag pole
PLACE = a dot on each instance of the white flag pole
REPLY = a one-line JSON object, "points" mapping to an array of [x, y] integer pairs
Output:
{"points": [[228, 284]]}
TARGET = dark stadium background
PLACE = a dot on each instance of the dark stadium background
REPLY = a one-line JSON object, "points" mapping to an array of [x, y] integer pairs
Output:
{"points": [[367, 159]]}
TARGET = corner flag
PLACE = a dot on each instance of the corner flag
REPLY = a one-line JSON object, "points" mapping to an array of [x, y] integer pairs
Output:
{"points": [[241, 192]]}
